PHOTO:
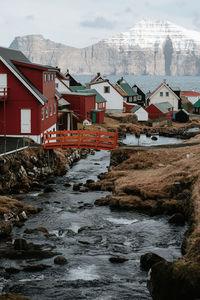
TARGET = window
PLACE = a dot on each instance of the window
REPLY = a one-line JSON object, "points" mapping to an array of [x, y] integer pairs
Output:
{"points": [[139, 97], [56, 85], [161, 94], [52, 76], [49, 77], [42, 113], [45, 77], [167, 94], [47, 112], [106, 89], [51, 110], [54, 108]]}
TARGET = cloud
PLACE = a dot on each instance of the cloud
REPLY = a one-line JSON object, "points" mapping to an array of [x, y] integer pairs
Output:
{"points": [[98, 22], [128, 10]]}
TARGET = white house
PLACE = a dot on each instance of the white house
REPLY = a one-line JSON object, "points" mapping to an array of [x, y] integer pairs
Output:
{"points": [[110, 93], [140, 112], [163, 93], [62, 84]]}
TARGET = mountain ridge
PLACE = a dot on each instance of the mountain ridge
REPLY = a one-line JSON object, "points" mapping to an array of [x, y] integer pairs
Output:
{"points": [[150, 47]]}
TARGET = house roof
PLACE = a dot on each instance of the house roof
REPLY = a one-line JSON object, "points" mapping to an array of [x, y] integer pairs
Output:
{"points": [[126, 87], [63, 102], [7, 56], [77, 88], [121, 91], [167, 86], [135, 108], [190, 94], [108, 82], [197, 104], [163, 106], [99, 98], [96, 78]]}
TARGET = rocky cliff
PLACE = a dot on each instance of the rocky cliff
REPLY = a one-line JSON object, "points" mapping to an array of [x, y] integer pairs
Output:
{"points": [[149, 47]]}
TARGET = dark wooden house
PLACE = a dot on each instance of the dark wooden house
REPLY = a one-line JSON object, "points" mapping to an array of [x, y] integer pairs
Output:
{"points": [[182, 116]]}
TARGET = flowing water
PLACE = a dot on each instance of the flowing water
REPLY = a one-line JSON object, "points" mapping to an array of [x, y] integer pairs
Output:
{"points": [[88, 236]]}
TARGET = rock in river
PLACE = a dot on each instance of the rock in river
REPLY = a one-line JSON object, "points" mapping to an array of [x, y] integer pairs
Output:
{"points": [[149, 259], [117, 259], [60, 260]]}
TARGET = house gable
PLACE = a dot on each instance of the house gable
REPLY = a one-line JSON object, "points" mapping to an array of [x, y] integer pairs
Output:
{"points": [[24, 81]]}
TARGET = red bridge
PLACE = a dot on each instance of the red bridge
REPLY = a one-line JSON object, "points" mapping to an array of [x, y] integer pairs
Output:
{"points": [[101, 140]]}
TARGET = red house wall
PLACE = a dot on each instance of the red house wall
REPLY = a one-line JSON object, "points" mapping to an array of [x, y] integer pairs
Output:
{"points": [[155, 113], [127, 107], [19, 97], [100, 116], [81, 104], [34, 75]]}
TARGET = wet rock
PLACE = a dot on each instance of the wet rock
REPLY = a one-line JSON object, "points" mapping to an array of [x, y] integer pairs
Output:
{"points": [[20, 244], [117, 259], [60, 260], [32, 209], [10, 296], [50, 181], [49, 189], [174, 281], [23, 216], [149, 259], [5, 228], [154, 138], [84, 242], [41, 229], [35, 268], [67, 184], [92, 152], [84, 189], [177, 219], [76, 187], [12, 270]]}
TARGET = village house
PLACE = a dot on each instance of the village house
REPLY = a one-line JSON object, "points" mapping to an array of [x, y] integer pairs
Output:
{"points": [[191, 96], [160, 110], [140, 112], [182, 116], [163, 93], [109, 92], [141, 97], [28, 106], [97, 114]]}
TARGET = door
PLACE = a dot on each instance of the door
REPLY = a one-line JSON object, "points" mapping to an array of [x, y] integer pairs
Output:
{"points": [[25, 120], [94, 117]]}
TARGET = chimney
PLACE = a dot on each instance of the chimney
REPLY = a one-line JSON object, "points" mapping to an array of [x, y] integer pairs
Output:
{"points": [[164, 80]]}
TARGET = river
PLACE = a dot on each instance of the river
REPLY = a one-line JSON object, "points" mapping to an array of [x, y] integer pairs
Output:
{"points": [[104, 233]]}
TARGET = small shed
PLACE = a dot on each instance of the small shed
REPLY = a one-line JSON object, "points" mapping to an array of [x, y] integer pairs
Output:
{"points": [[197, 107], [97, 115], [182, 116], [140, 112]]}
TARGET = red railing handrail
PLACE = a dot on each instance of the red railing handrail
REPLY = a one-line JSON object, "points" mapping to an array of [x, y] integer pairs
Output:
{"points": [[80, 139]]}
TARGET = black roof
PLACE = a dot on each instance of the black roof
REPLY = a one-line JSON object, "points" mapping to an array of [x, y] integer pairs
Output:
{"points": [[10, 55]]}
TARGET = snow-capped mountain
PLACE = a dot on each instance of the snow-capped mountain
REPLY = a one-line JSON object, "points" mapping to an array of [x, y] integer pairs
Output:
{"points": [[149, 47], [153, 34]]}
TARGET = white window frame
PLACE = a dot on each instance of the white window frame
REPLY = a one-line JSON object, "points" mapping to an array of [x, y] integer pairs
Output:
{"points": [[47, 112], [51, 110]]}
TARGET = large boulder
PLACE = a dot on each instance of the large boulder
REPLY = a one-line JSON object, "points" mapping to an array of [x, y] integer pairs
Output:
{"points": [[177, 219], [174, 281], [149, 259], [20, 244], [60, 260]]}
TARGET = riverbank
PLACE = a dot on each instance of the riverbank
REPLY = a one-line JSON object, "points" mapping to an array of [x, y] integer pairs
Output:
{"points": [[161, 181]]}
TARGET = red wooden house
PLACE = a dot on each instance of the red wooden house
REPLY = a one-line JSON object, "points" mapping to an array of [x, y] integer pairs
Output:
{"points": [[81, 103], [160, 110], [29, 107]]}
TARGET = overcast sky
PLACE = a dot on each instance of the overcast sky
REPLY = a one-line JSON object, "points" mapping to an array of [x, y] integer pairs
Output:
{"points": [[81, 23]]}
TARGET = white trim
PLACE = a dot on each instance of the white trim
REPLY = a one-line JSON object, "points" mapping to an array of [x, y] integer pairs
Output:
{"points": [[22, 80]]}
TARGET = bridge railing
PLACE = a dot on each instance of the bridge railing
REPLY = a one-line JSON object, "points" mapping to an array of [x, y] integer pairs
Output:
{"points": [[80, 139]]}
